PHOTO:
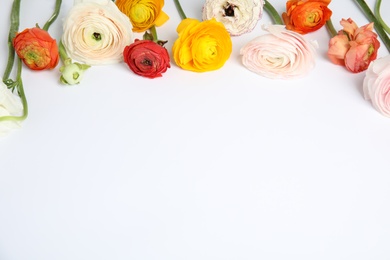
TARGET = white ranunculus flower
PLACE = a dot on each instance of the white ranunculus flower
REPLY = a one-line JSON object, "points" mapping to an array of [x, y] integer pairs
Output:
{"points": [[10, 105], [281, 53], [96, 32], [238, 16], [376, 85]]}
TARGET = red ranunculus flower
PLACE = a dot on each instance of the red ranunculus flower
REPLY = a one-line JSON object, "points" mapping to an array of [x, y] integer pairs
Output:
{"points": [[37, 49], [147, 58]]}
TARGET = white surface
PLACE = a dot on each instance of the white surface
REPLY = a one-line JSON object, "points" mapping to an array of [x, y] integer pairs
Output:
{"points": [[217, 165]]}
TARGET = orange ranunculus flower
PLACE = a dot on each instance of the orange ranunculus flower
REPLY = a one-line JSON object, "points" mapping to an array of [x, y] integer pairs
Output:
{"points": [[304, 16], [354, 47], [37, 49], [143, 14], [201, 46]]}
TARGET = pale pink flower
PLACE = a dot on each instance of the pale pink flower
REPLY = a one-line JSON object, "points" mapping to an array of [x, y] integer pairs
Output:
{"points": [[376, 85], [281, 53], [96, 32], [238, 16], [354, 47]]}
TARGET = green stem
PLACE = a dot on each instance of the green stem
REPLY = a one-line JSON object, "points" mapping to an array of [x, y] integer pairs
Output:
{"points": [[371, 17], [54, 16], [14, 27], [273, 13], [180, 10], [379, 17], [332, 31], [154, 33], [22, 97], [63, 55]]}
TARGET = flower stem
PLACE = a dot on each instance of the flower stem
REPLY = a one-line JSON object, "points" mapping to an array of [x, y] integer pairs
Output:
{"points": [[14, 27], [371, 17], [379, 17], [54, 16], [332, 31], [22, 95], [273, 13], [154, 33], [180, 10], [63, 55]]}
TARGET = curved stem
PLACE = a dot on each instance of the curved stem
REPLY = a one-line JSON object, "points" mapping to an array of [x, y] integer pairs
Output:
{"points": [[273, 13], [371, 17], [379, 17], [14, 27], [22, 96], [180, 10], [332, 31], [54, 16]]}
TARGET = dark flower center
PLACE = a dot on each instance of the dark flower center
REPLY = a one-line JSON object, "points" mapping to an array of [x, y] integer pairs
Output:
{"points": [[229, 9], [147, 62], [97, 36]]}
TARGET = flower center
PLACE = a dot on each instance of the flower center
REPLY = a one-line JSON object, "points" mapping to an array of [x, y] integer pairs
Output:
{"points": [[97, 36], [229, 9], [147, 62]]}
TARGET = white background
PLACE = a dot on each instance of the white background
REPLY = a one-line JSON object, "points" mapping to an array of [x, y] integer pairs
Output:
{"points": [[217, 165]]}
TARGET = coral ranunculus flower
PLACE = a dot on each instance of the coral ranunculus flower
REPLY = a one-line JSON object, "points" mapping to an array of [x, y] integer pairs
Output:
{"points": [[37, 49], [354, 47], [201, 46], [147, 58], [143, 14], [305, 16]]}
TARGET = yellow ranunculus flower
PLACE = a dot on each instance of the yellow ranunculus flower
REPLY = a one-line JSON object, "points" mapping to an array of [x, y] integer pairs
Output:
{"points": [[201, 46], [143, 14]]}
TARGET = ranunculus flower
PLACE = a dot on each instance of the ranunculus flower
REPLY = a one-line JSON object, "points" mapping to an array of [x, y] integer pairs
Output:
{"points": [[147, 58], [279, 54], [143, 13], [354, 47], [37, 49], [96, 32], [201, 46], [304, 16], [10, 105], [238, 16], [72, 73], [376, 85]]}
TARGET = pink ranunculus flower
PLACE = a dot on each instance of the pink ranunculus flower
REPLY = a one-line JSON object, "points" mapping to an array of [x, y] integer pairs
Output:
{"points": [[354, 47], [281, 53], [376, 85], [96, 32]]}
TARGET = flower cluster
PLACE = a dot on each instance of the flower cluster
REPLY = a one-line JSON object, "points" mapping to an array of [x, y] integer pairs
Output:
{"points": [[101, 32]]}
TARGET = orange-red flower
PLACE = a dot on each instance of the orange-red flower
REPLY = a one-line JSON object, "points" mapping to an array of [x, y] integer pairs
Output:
{"points": [[37, 49], [354, 47], [304, 16]]}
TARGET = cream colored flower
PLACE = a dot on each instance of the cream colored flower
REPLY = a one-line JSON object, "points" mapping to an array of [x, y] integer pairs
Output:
{"points": [[281, 53], [238, 16], [96, 32], [10, 105]]}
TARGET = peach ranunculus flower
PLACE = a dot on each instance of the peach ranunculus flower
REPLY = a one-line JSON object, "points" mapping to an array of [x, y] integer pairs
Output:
{"points": [[201, 46], [96, 32], [354, 47], [305, 16], [37, 49], [281, 54], [238, 16], [10, 105], [376, 85], [143, 14]]}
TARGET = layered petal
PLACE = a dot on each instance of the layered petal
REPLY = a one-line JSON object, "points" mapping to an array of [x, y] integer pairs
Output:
{"points": [[279, 54]]}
